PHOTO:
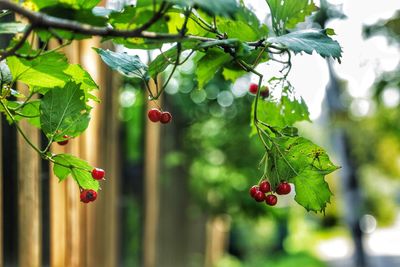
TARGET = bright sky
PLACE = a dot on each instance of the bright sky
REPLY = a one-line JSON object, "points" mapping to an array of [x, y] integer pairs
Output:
{"points": [[362, 59]]}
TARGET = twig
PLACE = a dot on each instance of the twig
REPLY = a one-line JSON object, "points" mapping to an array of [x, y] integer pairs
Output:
{"points": [[17, 46]]}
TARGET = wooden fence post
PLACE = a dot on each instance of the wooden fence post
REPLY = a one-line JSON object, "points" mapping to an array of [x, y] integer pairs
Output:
{"points": [[217, 239], [151, 190], [101, 150], [67, 248], [29, 219]]}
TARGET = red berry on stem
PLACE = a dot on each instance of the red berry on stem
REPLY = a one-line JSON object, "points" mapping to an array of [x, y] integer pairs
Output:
{"points": [[88, 195], [64, 142], [259, 196], [264, 92], [253, 88], [154, 115], [166, 117], [271, 200], [98, 173], [253, 190], [283, 188], [265, 186]]}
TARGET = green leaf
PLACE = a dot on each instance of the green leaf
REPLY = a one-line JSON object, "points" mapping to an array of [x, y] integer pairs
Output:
{"points": [[209, 64], [312, 191], [12, 27], [30, 111], [245, 27], [78, 11], [44, 71], [76, 4], [5, 73], [176, 21], [232, 75], [132, 17], [309, 41], [75, 14], [79, 75], [280, 113], [288, 13], [66, 164], [127, 65], [63, 111], [221, 7], [298, 160]]}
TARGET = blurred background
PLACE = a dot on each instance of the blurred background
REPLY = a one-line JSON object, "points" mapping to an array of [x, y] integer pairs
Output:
{"points": [[176, 195]]}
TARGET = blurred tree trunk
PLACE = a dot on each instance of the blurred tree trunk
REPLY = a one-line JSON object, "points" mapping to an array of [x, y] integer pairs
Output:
{"points": [[340, 142], [348, 173]]}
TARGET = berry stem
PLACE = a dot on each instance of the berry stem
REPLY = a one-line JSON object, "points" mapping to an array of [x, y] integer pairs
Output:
{"points": [[19, 129]]}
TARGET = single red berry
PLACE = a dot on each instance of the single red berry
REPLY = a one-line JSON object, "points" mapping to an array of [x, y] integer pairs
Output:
{"points": [[271, 200], [259, 196], [253, 190], [64, 142], [98, 173], [154, 115], [166, 117], [283, 188], [264, 92], [265, 186], [253, 88], [88, 195]]}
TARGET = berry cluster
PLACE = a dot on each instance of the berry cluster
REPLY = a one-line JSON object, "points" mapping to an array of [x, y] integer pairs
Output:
{"points": [[155, 115], [258, 192], [253, 89], [89, 195]]}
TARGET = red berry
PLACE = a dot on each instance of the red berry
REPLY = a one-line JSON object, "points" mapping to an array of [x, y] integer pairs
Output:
{"points": [[283, 188], [154, 114], [253, 88], [88, 195], [265, 186], [64, 142], [259, 196], [264, 92], [98, 173], [271, 200], [166, 117], [253, 190]]}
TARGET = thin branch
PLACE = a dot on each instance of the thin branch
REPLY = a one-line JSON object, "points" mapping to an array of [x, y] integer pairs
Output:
{"points": [[43, 21], [18, 45], [19, 129]]}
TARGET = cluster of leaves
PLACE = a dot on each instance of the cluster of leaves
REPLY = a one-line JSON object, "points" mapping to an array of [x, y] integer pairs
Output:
{"points": [[219, 36], [60, 107]]}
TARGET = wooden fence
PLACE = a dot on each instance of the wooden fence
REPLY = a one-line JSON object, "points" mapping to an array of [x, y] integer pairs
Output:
{"points": [[55, 229]]}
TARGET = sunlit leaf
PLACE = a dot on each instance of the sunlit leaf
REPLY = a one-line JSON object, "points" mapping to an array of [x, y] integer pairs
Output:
{"points": [[66, 164], [309, 41], [287, 14], [63, 111], [127, 65]]}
